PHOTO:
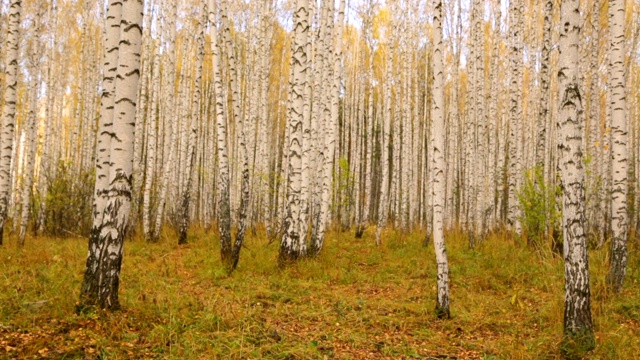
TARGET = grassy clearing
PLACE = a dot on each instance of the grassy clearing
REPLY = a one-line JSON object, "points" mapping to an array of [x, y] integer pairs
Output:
{"points": [[357, 301]]}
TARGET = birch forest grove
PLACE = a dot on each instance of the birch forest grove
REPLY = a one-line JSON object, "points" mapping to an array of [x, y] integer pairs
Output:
{"points": [[383, 178]]}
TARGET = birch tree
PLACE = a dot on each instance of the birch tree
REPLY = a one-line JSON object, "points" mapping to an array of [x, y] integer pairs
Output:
{"points": [[290, 243], [541, 124], [331, 128], [383, 206], [438, 170], [578, 325], [619, 167], [230, 252], [102, 274], [169, 108], [241, 140], [193, 120], [31, 126], [151, 148], [515, 110], [9, 108]]}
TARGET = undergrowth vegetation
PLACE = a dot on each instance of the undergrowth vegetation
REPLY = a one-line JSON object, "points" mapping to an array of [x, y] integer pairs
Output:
{"points": [[356, 301]]}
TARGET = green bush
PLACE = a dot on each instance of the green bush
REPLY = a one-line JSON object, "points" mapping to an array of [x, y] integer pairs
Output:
{"points": [[540, 214], [68, 202]]}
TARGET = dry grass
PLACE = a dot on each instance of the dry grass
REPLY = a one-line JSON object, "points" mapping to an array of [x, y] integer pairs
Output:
{"points": [[356, 301]]}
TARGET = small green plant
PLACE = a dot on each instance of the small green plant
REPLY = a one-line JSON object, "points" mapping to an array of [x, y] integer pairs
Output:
{"points": [[540, 214], [343, 189], [67, 204]]}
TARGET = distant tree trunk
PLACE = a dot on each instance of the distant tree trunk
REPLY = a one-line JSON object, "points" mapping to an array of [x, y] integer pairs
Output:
{"points": [[481, 181], [144, 93], [47, 165], [515, 110], [193, 120], [237, 114], [9, 109], [265, 130], [494, 118], [370, 131], [383, 205], [152, 134], [541, 124], [31, 127], [224, 205], [578, 326], [437, 173], [102, 275], [595, 145], [170, 114], [308, 137], [617, 82], [331, 128]]}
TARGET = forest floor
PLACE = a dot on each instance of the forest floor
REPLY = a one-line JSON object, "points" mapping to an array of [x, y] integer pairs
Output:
{"points": [[356, 301]]}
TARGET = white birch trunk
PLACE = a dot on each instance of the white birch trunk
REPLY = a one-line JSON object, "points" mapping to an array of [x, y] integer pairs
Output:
{"points": [[290, 243], [242, 152], [438, 170], [494, 117], [619, 167], [227, 251], [31, 126], [383, 205], [9, 108], [102, 275], [169, 102], [578, 325], [47, 164], [330, 137], [516, 119], [308, 134], [194, 120], [152, 121]]}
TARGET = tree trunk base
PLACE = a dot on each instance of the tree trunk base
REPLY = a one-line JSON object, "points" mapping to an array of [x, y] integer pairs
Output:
{"points": [[442, 312], [286, 259], [182, 239], [378, 236], [428, 239], [575, 344], [230, 260]]}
